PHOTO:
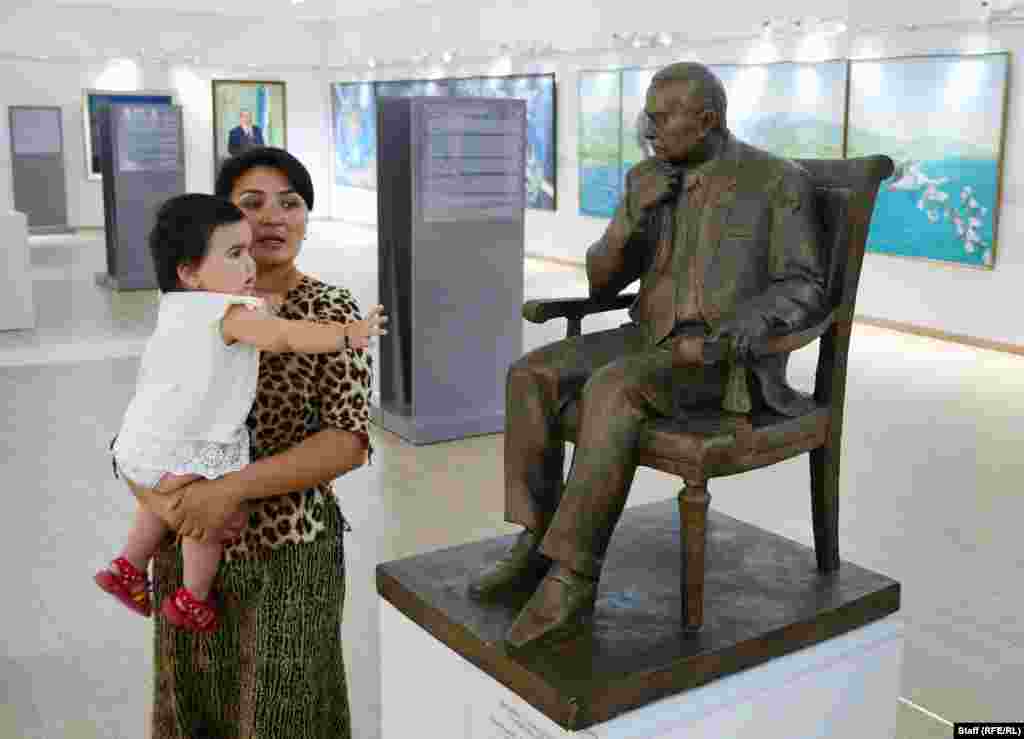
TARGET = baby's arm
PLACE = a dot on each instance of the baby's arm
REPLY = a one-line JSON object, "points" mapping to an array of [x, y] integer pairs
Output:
{"points": [[270, 333]]}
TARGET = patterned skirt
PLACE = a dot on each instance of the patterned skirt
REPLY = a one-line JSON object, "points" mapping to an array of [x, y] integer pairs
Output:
{"points": [[274, 668]]}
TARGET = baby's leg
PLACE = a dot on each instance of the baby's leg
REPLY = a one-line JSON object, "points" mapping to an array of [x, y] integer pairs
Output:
{"points": [[148, 528], [200, 560]]}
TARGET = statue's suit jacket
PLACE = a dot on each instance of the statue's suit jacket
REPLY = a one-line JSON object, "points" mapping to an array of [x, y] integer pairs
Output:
{"points": [[757, 252]]}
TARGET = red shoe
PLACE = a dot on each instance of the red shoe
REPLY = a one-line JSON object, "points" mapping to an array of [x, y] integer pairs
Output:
{"points": [[128, 584], [186, 611]]}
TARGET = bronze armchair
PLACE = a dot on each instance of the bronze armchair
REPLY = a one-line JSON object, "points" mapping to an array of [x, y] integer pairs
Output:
{"points": [[714, 442]]}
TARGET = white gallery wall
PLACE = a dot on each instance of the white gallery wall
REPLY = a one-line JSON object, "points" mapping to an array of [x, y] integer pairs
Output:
{"points": [[308, 56]]}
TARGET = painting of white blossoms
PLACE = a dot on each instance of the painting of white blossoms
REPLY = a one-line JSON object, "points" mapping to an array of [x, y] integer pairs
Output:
{"points": [[940, 119]]}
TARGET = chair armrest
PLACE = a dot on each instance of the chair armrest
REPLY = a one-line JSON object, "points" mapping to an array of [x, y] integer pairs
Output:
{"points": [[539, 311]]}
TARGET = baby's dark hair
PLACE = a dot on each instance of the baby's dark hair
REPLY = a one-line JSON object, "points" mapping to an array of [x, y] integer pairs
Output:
{"points": [[181, 234]]}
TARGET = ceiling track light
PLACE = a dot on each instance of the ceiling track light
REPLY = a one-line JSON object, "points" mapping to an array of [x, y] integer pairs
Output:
{"points": [[641, 40], [803, 26]]}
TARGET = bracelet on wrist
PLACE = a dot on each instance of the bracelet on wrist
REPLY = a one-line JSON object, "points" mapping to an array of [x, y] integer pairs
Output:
{"points": [[344, 332]]}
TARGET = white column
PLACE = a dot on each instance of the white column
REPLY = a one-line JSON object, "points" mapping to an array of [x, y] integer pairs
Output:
{"points": [[16, 308]]}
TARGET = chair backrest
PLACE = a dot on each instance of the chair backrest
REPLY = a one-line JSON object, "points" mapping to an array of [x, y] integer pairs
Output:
{"points": [[846, 190]]}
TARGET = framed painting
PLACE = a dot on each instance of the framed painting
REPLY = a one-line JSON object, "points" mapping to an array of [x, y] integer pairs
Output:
{"points": [[355, 109], [94, 101], [791, 109], [247, 114], [599, 147], [942, 120], [355, 134], [538, 90]]}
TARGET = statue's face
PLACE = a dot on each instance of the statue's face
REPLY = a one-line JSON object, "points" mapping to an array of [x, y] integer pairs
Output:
{"points": [[678, 120]]}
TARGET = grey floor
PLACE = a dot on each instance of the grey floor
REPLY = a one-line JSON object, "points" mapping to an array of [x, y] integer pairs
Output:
{"points": [[931, 497]]}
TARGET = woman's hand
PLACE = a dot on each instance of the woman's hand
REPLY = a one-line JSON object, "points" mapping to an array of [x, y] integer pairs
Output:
{"points": [[205, 509], [210, 508], [359, 333]]}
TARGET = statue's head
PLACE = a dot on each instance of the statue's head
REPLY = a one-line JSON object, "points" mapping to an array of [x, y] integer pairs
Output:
{"points": [[685, 105]]}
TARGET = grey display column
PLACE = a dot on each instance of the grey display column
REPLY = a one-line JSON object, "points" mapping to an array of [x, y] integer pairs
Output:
{"points": [[143, 164], [37, 163], [450, 196]]}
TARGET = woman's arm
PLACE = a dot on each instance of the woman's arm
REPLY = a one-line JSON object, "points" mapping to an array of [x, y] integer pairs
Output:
{"points": [[206, 505]]}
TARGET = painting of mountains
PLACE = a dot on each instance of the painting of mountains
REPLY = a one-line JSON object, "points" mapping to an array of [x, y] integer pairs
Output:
{"points": [[790, 109]]}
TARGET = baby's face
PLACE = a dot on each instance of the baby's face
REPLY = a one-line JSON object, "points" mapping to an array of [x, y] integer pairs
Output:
{"points": [[228, 267]]}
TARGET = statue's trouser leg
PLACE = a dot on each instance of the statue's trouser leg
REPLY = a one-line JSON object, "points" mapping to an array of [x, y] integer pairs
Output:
{"points": [[616, 402], [538, 387]]}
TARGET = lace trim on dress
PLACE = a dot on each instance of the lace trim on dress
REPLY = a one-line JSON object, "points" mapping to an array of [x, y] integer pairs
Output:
{"points": [[210, 459]]}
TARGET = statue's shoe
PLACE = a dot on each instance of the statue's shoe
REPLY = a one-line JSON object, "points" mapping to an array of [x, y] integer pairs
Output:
{"points": [[561, 607], [521, 568]]}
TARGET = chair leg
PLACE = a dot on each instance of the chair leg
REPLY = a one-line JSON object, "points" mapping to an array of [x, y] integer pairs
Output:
{"points": [[693, 515], [825, 506]]}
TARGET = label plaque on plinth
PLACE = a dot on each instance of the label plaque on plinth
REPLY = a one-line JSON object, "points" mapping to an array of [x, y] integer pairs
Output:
{"points": [[451, 193], [764, 598], [143, 164]]}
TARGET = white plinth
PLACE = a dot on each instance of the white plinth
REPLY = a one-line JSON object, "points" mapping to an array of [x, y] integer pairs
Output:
{"points": [[843, 688], [16, 308]]}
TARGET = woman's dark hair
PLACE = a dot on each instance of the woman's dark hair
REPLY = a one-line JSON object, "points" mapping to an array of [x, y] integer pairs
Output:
{"points": [[181, 234], [267, 156]]}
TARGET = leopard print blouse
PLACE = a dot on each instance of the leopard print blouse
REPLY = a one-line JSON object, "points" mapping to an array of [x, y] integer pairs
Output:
{"points": [[298, 395]]}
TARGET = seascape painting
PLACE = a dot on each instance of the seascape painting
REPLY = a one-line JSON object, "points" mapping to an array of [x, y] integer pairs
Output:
{"points": [[600, 142], [634, 94], [355, 114], [941, 120]]}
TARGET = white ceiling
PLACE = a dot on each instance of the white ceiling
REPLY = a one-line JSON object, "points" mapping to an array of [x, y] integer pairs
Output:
{"points": [[306, 10]]}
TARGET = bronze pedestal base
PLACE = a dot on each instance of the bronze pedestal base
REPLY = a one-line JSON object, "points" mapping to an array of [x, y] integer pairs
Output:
{"points": [[763, 598]]}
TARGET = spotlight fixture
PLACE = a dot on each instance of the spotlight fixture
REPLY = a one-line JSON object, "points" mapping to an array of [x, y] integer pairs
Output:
{"points": [[525, 48], [664, 39], [371, 62], [771, 27], [447, 56], [831, 27]]}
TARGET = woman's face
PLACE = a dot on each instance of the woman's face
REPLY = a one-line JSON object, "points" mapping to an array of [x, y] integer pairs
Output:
{"points": [[276, 213]]}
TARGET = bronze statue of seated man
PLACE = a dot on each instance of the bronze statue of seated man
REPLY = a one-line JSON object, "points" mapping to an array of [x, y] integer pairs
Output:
{"points": [[725, 242]]}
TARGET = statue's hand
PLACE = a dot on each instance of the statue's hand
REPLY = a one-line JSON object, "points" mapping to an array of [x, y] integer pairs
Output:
{"points": [[688, 351], [655, 185], [741, 332]]}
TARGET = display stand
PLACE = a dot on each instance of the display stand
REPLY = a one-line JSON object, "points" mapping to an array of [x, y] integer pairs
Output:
{"points": [[785, 652], [37, 165], [450, 198], [143, 164], [17, 310]]}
